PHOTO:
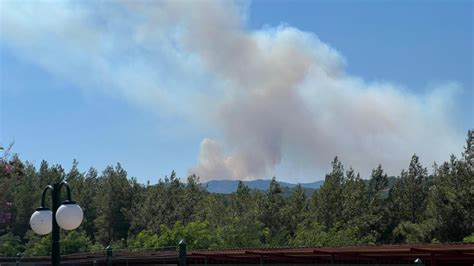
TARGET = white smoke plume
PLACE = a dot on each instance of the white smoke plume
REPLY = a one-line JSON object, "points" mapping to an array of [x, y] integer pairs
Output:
{"points": [[276, 96]]}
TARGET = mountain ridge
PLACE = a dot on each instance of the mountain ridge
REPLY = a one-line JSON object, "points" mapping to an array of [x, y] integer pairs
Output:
{"points": [[229, 186]]}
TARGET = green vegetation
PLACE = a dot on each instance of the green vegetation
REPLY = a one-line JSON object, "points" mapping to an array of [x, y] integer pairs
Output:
{"points": [[347, 210]]}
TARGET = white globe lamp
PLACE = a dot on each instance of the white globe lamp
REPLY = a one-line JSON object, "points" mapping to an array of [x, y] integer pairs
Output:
{"points": [[69, 215], [41, 221]]}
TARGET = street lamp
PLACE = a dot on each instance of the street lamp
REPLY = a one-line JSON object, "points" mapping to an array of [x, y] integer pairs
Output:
{"points": [[67, 215]]}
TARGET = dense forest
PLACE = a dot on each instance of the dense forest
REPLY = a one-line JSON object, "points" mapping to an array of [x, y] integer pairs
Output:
{"points": [[419, 206]]}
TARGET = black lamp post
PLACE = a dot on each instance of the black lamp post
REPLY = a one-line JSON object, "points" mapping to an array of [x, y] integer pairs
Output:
{"points": [[18, 258], [67, 215]]}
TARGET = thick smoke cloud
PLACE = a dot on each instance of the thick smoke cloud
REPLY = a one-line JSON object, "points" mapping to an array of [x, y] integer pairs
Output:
{"points": [[289, 95], [277, 96]]}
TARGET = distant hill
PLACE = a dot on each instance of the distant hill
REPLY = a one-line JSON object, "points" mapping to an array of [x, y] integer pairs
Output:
{"points": [[229, 186]]}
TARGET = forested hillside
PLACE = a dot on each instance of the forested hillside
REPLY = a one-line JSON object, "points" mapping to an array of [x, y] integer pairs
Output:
{"points": [[420, 206]]}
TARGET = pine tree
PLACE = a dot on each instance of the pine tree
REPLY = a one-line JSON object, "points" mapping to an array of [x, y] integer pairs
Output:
{"points": [[416, 190], [354, 204], [468, 153], [113, 202], [295, 211], [271, 214], [407, 200], [328, 202], [376, 218], [242, 227]]}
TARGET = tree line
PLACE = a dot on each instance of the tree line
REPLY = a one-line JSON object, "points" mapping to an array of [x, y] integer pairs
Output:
{"points": [[414, 207]]}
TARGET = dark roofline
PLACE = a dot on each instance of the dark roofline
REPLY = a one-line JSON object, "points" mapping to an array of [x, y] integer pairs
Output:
{"points": [[431, 254]]}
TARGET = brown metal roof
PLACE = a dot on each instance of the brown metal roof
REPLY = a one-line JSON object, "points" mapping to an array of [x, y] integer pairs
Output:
{"points": [[430, 254]]}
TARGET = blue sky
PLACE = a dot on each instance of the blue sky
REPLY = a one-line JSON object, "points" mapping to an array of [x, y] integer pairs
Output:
{"points": [[65, 97]]}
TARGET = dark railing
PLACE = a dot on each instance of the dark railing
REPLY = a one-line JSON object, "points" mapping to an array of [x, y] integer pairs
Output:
{"points": [[174, 255]]}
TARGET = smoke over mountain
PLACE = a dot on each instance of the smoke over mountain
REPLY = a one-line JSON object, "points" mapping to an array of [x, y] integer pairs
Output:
{"points": [[288, 95], [274, 96]]}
